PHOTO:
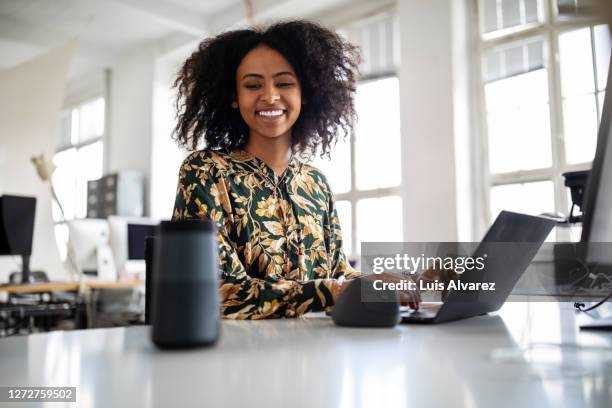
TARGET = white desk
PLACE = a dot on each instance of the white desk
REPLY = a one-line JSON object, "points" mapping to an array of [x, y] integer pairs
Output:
{"points": [[513, 359]]}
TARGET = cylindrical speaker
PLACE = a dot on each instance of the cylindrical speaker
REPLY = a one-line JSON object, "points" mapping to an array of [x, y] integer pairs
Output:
{"points": [[185, 302]]}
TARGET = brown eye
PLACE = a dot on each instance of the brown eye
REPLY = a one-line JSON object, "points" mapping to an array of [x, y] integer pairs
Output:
{"points": [[285, 84], [252, 86]]}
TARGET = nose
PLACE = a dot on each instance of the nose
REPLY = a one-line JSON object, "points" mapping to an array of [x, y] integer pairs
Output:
{"points": [[270, 95]]}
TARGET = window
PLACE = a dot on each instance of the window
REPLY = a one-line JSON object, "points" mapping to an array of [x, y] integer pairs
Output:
{"points": [[541, 113], [365, 169], [79, 156]]}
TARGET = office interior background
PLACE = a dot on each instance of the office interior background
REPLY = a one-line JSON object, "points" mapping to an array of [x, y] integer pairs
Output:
{"points": [[465, 108]]}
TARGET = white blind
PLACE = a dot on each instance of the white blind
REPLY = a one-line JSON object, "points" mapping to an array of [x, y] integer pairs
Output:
{"points": [[514, 59], [503, 14], [377, 39]]}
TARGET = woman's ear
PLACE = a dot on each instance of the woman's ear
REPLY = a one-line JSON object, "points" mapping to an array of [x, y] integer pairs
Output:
{"points": [[234, 104]]}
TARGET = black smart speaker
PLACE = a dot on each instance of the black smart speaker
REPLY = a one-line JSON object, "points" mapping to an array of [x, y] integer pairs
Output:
{"points": [[185, 303]]}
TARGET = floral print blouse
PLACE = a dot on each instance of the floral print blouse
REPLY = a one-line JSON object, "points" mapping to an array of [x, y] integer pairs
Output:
{"points": [[280, 245]]}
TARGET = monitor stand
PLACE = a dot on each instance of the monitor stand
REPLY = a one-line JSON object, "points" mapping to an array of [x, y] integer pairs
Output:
{"points": [[26, 276]]}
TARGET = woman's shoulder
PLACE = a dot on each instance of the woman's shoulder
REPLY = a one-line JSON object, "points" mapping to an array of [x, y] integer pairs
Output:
{"points": [[315, 175], [207, 159]]}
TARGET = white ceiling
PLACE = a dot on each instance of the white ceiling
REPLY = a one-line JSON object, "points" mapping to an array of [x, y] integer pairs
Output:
{"points": [[107, 30]]}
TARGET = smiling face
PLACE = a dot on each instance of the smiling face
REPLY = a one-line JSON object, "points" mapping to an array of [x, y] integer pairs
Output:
{"points": [[268, 93]]}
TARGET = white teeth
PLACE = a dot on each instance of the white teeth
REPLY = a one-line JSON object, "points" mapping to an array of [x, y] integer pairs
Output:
{"points": [[270, 113]]}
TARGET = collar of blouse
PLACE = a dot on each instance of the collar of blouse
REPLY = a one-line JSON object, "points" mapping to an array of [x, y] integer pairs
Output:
{"points": [[265, 171]]}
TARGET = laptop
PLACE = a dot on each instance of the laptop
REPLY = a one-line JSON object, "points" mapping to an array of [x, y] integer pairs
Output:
{"points": [[509, 247]]}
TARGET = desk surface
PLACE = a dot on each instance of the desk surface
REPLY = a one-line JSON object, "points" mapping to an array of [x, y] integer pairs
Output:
{"points": [[68, 286], [528, 355]]}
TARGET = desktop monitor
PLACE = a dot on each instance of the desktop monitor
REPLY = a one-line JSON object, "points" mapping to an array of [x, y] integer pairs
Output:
{"points": [[136, 239], [597, 219], [120, 242], [86, 238], [17, 229]]}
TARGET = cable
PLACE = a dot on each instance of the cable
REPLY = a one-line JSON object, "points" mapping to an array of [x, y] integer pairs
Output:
{"points": [[579, 306]]}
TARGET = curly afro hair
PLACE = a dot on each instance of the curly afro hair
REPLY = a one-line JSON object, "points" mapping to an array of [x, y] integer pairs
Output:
{"points": [[324, 62]]}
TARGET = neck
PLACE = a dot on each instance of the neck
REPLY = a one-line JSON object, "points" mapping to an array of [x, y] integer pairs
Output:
{"points": [[275, 152]]}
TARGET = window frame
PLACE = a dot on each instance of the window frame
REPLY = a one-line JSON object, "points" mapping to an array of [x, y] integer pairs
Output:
{"points": [[350, 30], [354, 194], [549, 28], [81, 144]]}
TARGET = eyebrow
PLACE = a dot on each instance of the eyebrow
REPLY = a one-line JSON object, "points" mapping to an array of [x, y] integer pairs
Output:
{"points": [[273, 76]]}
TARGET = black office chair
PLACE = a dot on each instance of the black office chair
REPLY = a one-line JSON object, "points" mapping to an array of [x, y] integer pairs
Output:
{"points": [[28, 298], [24, 312]]}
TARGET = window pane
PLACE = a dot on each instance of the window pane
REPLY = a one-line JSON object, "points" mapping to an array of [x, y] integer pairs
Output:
{"points": [[489, 8], [527, 198], [61, 239], [531, 87], [518, 123], [91, 117], [531, 11], [376, 39], [580, 127], [535, 55], [89, 162], [511, 13], [377, 135], [602, 54], [503, 14], [64, 128], [514, 59], [344, 213], [494, 67], [74, 126], [64, 182], [576, 60], [80, 210], [379, 219], [337, 169], [600, 97]]}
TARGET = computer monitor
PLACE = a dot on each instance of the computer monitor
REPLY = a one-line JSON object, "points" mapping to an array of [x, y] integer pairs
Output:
{"points": [[17, 216], [136, 239], [119, 241], [86, 237], [597, 219]]}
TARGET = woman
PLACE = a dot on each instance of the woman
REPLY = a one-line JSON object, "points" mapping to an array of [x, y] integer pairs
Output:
{"points": [[258, 99]]}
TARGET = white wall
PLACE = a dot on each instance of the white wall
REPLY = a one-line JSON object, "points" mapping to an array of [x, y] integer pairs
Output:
{"points": [[30, 102], [86, 87], [140, 119], [130, 110], [431, 112], [166, 157]]}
